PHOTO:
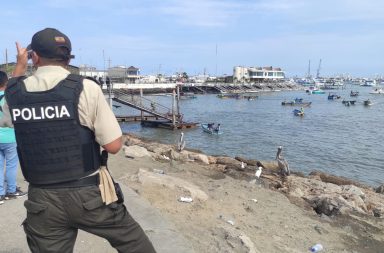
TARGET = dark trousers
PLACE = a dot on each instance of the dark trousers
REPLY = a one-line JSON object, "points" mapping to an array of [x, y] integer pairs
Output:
{"points": [[55, 215]]}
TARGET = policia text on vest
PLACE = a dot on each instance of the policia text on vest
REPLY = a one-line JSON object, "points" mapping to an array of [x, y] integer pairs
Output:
{"points": [[58, 111]]}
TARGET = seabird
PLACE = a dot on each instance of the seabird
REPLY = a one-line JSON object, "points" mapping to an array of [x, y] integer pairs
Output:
{"points": [[258, 172], [181, 142], [282, 163]]}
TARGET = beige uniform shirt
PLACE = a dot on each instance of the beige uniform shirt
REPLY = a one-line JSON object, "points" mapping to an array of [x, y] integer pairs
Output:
{"points": [[94, 111]]}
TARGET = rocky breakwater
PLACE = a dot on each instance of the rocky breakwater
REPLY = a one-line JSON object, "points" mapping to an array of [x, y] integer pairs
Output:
{"points": [[336, 199]]}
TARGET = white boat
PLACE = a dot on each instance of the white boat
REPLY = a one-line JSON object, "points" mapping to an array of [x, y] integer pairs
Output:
{"points": [[369, 83], [377, 91]]}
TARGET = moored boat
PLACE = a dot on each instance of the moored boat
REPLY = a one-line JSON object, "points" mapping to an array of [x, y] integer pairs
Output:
{"points": [[377, 91], [367, 102], [298, 112], [348, 102], [296, 102], [211, 129], [332, 96]]}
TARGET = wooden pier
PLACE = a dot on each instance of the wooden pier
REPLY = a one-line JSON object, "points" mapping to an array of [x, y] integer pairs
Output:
{"points": [[152, 114]]}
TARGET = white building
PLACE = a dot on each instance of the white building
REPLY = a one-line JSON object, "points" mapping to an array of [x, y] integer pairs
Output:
{"points": [[91, 72], [257, 74]]}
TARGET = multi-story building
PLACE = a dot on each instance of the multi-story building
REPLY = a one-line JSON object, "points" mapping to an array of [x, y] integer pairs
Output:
{"points": [[118, 74], [123, 74], [257, 74]]}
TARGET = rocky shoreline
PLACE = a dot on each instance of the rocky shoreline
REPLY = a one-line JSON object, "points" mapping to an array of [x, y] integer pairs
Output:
{"points": [[336, 200]]}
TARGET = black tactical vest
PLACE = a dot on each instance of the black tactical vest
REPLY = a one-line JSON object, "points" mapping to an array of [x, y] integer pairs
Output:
{"points": [[52, 145]]}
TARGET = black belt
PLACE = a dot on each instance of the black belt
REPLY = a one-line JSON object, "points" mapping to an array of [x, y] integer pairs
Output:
{"points": [[86, 181]]}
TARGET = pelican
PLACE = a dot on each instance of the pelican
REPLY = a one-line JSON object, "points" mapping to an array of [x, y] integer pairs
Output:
{"points": [[282, 163], [181, 142], [258, 172]]}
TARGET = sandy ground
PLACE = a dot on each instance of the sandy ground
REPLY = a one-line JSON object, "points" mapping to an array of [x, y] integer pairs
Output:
{"points": [[239, 216]]}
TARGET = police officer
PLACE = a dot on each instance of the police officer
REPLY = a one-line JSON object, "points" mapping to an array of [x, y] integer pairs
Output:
{"points": [[60, 121]]}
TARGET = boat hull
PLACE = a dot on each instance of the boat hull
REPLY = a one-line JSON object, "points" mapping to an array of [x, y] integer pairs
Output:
{"points": [[210, 130]]}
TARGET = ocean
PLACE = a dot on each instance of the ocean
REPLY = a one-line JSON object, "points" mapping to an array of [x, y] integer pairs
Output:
{"points": [[331, 137]]}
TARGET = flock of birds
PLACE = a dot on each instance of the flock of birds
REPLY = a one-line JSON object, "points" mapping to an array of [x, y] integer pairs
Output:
{"points": [[281, 162]]}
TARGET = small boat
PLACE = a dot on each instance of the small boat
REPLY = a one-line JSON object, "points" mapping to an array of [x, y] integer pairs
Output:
{"points": [[230, 95], [318, 92], [209, 128], [348, 102], [297, 102], [314, 90], [250, 97], [367, 102], [298, 112], [332, 96], [377, 91], [354, 93]]}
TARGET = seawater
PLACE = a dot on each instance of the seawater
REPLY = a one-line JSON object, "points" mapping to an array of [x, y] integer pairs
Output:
{"points": [[330, 137]]}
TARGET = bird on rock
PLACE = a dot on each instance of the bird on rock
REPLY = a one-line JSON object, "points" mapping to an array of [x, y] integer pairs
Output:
{"points": [[282, 163], [258, 171]]}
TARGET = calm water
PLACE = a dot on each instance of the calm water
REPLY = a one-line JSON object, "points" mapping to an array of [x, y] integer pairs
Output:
{"points": [[331, 137]]}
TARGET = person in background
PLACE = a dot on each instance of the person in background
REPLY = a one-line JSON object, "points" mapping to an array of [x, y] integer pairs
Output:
{"points": [[8, 154], [61, 120]]}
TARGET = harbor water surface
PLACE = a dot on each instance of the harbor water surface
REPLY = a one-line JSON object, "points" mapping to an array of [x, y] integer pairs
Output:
{"points": [[331, 137]]}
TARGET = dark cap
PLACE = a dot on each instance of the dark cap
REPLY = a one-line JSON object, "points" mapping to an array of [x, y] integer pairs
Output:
{"points": [[51, 43]]}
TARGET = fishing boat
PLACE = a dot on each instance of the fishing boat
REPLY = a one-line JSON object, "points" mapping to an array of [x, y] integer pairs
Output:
{"points": [[229, 95], [298, 112], [377, 91], [367, 102], [354, 93], [314, 90], [250, 97], [333, 96], [318, 91], [209, 128], [348, 102], [296, 102]]}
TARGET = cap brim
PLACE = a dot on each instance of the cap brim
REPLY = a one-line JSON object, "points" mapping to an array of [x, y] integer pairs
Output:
{"points": [[29, 47]]}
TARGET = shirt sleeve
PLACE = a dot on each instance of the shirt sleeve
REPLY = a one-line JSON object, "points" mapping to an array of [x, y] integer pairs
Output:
{"points": [[95, 113]]}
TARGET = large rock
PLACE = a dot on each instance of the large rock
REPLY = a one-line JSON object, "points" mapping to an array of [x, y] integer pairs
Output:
{"points": [[199, 157], [380, 189], [227, 160]]}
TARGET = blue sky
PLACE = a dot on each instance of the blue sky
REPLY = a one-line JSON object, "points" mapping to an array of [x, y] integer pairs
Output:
{"points": [[169, 35]]}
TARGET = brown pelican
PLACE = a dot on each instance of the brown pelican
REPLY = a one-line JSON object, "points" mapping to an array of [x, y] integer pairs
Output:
{"points": [[282, 163]]}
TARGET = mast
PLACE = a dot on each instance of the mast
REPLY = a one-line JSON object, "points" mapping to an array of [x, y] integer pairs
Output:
{"points": [[309, 69], [318, 70]]}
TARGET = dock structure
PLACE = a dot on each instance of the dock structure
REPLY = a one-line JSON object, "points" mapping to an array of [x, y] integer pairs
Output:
{"points": [[152, 114]]}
